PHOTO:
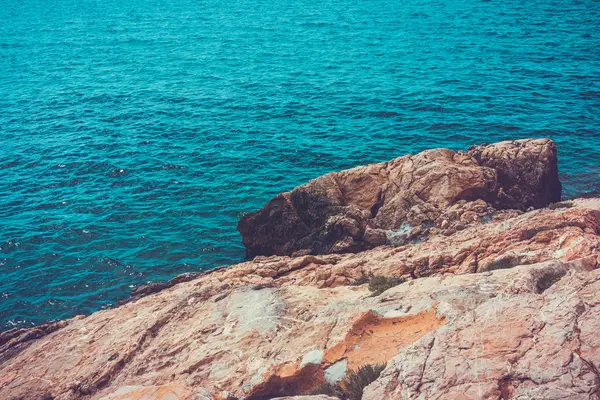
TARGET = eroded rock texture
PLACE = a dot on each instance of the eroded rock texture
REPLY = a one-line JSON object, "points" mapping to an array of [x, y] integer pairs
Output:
{"points": [[502, 308], [541, 344], [364, 207], [496, 303]]}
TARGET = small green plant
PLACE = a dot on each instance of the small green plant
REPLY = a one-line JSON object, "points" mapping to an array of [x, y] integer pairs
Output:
{"points": [[379, 284], [362, 280], [356, 381], [328, 389], [561, 204], [353, 385]]}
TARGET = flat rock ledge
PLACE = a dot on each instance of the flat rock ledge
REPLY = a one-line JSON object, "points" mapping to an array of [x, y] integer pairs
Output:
{"points": [[495, 303]]}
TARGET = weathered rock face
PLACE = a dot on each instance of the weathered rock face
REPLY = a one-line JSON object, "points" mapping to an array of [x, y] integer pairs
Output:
{"points": [[540, 344], [378, 204], [507, 306], [527, 172]]}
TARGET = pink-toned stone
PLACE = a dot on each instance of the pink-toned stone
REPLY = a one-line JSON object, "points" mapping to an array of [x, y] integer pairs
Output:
{"points": [[164, 392], [496, 303], [360, 208], [239, 329], [529, 345]]}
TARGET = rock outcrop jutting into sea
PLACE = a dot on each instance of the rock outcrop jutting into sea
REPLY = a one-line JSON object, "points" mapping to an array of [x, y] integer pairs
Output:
{"points": [[461, 273], [378, 204]]}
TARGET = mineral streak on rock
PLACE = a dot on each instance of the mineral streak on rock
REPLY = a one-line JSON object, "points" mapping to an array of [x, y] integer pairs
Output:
{"points": [[497, 304], [360, 208], [374, 339], [371, 339]]}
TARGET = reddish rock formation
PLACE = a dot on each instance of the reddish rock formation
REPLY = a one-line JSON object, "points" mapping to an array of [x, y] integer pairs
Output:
{"points": [[361, 208], [278, 326], [527, 172], [495, 304], [541, 344]]}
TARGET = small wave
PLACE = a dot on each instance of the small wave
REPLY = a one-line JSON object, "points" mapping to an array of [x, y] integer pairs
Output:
{"points": [[444, 127], [172, 167], [386, 114], [432, 108], [50, 206]]}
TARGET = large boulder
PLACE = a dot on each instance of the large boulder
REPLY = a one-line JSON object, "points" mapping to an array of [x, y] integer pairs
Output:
{"points": [[391, 202]]}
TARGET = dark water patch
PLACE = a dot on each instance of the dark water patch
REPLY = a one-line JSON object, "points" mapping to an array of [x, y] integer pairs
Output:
{"points": [[386, 114], [432, 109], [67, 183], [50, 206], [445, 127], [9, 164], [590, 95]]}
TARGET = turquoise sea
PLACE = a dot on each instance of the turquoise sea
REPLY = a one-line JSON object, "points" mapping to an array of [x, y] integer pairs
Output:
{"points": [[135, 133]]}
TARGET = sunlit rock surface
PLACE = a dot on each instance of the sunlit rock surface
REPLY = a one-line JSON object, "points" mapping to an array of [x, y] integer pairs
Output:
{"points": [[496, 303], [364, 207]]}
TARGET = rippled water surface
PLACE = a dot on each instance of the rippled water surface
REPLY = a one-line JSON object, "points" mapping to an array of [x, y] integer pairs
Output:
{"points": [[136, 133]]}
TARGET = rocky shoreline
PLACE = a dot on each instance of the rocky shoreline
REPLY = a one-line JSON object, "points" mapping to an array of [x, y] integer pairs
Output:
{"points": [[461, 274]]}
